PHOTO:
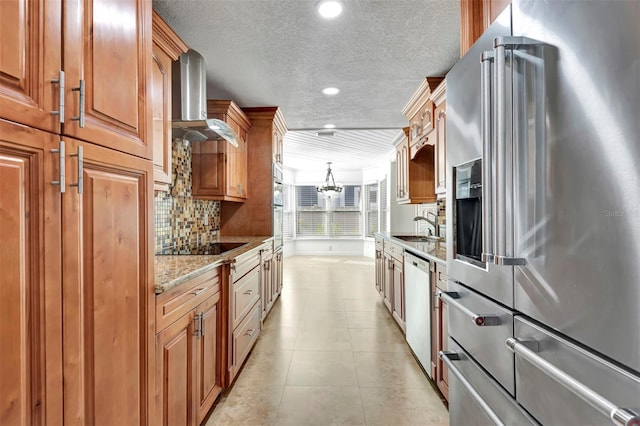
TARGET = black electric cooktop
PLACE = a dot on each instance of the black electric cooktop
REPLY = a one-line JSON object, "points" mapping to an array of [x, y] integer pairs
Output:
{"points": [[209, 248]]}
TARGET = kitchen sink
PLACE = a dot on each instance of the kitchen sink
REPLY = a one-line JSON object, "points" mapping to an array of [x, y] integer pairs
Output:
{"points": [[418, 238]]}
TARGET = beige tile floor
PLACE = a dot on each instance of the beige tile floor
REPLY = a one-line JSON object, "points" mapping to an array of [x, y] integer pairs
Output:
{"points": [[330, 354]]}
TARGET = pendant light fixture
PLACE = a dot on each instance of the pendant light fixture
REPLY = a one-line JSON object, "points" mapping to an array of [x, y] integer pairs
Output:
{"points": [[329, 188]]}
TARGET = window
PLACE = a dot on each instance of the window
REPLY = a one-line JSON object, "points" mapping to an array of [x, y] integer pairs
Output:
{"points": [[371, 208], [287, 212], [315, 217], [383, 205]]}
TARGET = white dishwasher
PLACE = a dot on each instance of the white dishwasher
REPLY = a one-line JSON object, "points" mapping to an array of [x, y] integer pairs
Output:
{"points": [[418, 308]]}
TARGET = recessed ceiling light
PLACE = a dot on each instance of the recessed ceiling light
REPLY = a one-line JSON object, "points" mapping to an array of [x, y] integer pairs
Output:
{"points": [[329, 9], [330, 91], [329, 126]]}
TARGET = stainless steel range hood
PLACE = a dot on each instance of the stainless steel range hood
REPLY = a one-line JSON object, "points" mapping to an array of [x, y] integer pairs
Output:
{"points": [[189, 103]]}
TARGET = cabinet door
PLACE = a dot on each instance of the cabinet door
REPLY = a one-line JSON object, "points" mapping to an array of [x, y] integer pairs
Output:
{"points": [[175, 358], [160, 100], [441, 148], [107, 48], [108, 311], [209, 370], [30, 62], [30, 312], [398, 293], [236, 163], [388, 282], [442, 379]]}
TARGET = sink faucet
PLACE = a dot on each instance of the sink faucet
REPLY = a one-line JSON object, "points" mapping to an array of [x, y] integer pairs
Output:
{"points": [[426, 219]]}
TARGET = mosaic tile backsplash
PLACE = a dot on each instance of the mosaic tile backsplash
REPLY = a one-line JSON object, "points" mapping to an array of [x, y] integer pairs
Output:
{"points": [[182, 221]]}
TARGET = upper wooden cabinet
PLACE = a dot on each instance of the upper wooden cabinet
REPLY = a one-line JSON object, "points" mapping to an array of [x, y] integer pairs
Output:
{"points": [[415, 177], [475, 17], [219, 168], [420, 113], [440, 115], [105, 47], [167, 47], [254, 216]]}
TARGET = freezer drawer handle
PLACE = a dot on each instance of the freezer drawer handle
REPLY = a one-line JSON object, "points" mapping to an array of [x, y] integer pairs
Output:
{"points": [[448, 357], [619, 416], [481, 320]]}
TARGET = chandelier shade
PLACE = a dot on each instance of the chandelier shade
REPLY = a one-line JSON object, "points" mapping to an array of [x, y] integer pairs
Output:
{"points": [[329, 187]]}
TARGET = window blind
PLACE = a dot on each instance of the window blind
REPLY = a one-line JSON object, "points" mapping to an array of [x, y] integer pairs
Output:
{"points": [[371, 208]]}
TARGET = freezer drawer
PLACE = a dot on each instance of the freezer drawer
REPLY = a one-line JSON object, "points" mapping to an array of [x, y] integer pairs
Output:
{"points": [[481, 327], [546, 361], [470, 388]]}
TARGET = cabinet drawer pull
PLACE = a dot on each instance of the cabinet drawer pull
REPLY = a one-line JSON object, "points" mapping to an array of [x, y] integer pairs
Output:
{"points": [[250, 333], [61, 178], [481, 320], [199, 290], [80, 156], [80, 117], [60, 111], [250, 291]]}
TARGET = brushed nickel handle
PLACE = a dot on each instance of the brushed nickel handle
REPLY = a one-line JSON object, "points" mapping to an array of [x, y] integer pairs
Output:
{"points": [[199, 290], [62, 178], [481, 320], [202, 323], [79, 183], [80, 117], [197, 323], [250, 333], [618, 415], [249, 292], [60, 111], [487, 159]]}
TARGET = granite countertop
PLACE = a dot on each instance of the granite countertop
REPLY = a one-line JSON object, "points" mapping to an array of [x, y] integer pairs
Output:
{"points": [[173, 270], [435, 251]]}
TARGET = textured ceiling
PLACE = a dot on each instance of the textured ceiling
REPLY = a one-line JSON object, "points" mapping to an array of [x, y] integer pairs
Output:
{"points": [[280, 52]]}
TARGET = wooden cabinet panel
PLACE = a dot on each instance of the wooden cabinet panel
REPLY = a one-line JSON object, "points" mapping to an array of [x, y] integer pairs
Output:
{"points": [[107, 224], [245, 293], [30, 61], [415, 177], [278, 273], [244, 337], [160, 100], [388, 282], [442, 372], [209, 372], [30, 278], [219, 168], [441, 141], [174, 373], [107, 46]]}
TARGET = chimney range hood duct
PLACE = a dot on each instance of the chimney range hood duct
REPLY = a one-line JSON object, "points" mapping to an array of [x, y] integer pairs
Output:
{"points": [[189, 103]]}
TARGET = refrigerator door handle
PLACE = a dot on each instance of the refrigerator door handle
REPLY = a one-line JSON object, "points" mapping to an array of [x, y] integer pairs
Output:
{"points": [[481, 320], [487, 158], [500, 44], [618, 415], [448, 357]]}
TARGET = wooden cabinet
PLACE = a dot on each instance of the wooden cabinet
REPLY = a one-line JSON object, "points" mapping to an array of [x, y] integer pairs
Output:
{"points": [[398, 292], [64, 245], [278, 137], [266, 279], [189, 349], [219, 168], [107, 221], [106, 76], [439, 96], [30, 277], [254, 216], [393, 294], [244, 310], [379, 265], [475, 17], [167, 47], [278, 272], [441, 375]]}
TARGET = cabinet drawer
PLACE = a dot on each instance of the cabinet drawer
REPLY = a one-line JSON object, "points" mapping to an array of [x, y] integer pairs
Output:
{"points": [[244, 263], [245, 336], [176, 302], [244, 294], [379, 244], [441, 276], [481, 327], [394, 250]]}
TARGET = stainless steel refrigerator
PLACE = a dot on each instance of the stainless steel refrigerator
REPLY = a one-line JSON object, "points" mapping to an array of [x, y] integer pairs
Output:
{"points": [[543, 147]]}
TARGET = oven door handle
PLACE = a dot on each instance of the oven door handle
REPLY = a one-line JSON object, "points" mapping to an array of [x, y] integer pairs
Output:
{"points": [[481, 320], [619, 416], [448, 357]]}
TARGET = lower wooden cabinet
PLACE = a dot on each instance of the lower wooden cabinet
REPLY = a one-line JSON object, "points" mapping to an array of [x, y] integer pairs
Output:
{"points": [[441, 376], [278, 272], [189, 349], [398, 293]]}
